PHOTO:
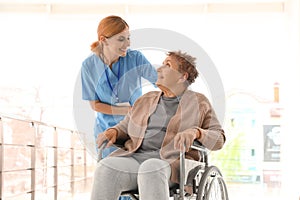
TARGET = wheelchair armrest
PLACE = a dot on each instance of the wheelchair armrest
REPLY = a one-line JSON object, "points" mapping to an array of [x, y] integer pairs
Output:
{"points": [[103, 145], [202, 150], [198, 146], [100, 150]]}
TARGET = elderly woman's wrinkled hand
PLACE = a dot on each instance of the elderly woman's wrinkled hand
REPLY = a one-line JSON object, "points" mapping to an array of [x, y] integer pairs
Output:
{"points": [[184, 140], [110, 135]]}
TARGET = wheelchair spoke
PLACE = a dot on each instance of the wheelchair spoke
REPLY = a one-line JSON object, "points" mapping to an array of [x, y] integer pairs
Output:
{"points": [[212, 185]]}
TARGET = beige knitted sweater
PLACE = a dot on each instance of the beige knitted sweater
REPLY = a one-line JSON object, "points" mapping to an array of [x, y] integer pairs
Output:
{"points": [[194, 111]]}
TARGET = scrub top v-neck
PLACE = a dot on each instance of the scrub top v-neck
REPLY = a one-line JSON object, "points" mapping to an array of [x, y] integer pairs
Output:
{"points": [[115, 90], [125, 79]]}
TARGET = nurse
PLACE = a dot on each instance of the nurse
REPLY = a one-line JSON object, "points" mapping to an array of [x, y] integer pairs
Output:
{"points": [[112, 75]]}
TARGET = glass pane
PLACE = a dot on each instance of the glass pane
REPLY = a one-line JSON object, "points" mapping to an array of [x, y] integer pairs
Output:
{"points": [[45, 136], [64, 175], [77, 141], [90, 159], [44, 157], [44, 178], [16, 157], [18, 132], [64, 194], [47, 193], [64, 138], [83, 186], [63, 157], [64, 185], [15, 183], [19, 197], [79, 157], [90, 170], [79, 171]]}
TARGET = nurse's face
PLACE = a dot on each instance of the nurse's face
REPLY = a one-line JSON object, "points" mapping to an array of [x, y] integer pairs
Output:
{"points": [[117, 45], [167, 74]]}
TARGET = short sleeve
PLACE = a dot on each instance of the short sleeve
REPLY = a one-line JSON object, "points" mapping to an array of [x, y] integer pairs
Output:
{"points": [[146, 69], [88, 83]]}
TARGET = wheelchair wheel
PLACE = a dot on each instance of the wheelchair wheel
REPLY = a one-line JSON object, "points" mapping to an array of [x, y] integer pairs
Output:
{"points": [[212, 185]]}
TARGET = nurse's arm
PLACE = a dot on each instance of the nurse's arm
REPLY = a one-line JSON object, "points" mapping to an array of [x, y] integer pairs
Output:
{"points": [[104, 108]]}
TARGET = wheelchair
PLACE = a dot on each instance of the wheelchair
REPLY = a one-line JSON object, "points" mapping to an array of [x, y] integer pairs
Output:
{"points": [[200, 182]]}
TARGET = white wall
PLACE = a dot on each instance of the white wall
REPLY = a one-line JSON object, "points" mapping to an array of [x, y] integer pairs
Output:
{"points": [[250, 50]]}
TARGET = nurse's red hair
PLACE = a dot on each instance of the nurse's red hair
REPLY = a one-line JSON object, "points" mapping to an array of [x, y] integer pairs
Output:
{"points": [[108, 27]]}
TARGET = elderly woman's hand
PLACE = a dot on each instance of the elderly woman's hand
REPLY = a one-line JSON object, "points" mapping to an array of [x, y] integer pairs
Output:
{"points": [[184, 140], [109, 135]]}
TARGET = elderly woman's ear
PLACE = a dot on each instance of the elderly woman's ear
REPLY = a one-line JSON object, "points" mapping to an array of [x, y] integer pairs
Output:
{"points": [[184, 77]]}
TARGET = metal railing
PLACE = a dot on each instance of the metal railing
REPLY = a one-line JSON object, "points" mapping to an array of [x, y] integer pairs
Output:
{"points": [[42, 161]]}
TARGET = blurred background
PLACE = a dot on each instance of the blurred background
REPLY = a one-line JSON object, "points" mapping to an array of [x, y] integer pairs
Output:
{"points": [[254, 45]]}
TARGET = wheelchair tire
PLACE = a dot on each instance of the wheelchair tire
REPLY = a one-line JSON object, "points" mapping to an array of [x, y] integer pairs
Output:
{"points": [[212, 185]]}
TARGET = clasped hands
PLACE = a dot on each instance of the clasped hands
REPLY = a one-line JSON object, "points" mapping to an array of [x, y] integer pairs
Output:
{"points": [[183, 140], [110, 135]]}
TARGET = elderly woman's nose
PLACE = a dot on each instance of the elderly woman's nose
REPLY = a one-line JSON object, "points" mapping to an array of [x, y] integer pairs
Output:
{"points": [[159, 69]]}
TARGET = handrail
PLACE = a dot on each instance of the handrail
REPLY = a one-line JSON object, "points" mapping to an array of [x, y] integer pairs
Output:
{"points": [[32, 121], [42, 169]]}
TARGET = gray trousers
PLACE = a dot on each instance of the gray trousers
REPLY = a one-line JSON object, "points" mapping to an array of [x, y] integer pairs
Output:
{"points": [[116, 174]]}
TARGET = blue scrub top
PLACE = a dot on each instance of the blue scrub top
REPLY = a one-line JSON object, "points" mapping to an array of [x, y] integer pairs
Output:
{"points": [[124, 81]]}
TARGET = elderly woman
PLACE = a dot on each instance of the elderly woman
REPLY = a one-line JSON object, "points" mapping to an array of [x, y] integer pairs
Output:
{"points": [[158, 126]]}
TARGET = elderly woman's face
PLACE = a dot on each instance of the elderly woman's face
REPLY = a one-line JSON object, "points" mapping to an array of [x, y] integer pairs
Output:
{"points": [[167, 74]]}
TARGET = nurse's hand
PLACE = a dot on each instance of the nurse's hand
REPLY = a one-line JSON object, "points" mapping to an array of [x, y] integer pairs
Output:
{"points": [[110, 135]]}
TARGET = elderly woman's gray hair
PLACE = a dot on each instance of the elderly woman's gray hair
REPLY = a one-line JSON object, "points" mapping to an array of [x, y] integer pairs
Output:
{"points": [[186, 63]]}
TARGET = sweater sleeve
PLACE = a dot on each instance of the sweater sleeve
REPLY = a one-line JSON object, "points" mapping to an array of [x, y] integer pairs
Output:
{"points": [[212, 134]]}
